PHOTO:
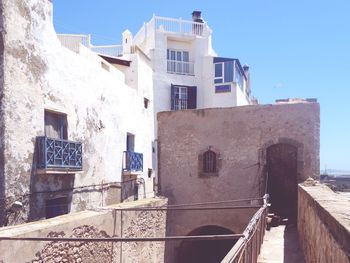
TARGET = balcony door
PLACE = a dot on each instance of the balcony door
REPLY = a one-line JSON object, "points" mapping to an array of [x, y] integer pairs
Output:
{"points": [[183, 97]]}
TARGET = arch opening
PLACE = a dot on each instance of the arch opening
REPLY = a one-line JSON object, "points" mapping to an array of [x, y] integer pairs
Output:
{"points": [[205, 251], [282, 181]]}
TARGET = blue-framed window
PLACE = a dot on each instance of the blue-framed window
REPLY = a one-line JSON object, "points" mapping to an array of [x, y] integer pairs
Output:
{"points": [[223, 88], [228, 70], [224, 72]]}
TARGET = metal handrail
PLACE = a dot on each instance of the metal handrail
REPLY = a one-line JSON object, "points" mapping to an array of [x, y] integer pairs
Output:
{"points": [[247, 248]]}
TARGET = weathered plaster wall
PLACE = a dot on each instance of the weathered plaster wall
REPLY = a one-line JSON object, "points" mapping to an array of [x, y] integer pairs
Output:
{"points": [[240, 136], [40, 74], [323, 225], [2, 130], [88, 224]]}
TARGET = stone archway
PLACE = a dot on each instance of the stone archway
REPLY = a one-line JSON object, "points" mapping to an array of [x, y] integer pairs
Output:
{"points": [[205, 251], [282, 179]]}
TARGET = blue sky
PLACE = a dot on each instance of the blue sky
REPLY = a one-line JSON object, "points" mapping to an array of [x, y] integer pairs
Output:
{"points": [[298, 48]]}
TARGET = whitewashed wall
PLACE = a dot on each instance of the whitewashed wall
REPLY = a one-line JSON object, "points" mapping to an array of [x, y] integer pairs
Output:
{"points": [[41, 74]]}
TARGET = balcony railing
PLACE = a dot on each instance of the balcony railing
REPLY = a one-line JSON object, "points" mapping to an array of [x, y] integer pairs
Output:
{"points": [[133, 161], [180, 67], [110, 51], [73, 43], [180, 26], [180, 104], [59, 154]]}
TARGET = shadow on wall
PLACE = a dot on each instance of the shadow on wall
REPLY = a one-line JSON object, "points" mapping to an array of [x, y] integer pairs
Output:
{"points": [[205, 251], [292, 250], [50, 194]]}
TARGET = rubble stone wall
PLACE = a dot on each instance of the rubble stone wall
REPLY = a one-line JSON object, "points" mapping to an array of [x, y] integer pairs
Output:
{"points": [[90, 224]]}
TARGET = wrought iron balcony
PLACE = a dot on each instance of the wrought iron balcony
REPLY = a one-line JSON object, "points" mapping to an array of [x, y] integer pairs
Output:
{"points": [[59, 154], [133, 162]]}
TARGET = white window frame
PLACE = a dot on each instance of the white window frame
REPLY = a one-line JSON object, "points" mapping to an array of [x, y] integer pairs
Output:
{"points": [[177, 64]]}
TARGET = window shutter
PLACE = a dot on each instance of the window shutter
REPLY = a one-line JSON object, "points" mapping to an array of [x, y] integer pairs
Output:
{"points": [[172, 97], [192, 97]]}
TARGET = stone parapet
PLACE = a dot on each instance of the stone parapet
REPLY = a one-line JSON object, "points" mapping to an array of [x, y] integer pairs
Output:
{"points": [[323, 224]]}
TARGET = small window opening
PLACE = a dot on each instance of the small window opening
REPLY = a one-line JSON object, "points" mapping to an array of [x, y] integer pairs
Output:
{"points": [[145, 102], [150, 172], [55, 125], [130, 142], [209, 162], [56, 207]]}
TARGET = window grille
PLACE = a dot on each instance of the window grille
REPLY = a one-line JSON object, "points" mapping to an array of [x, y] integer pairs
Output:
{"points": [[209, 162]]}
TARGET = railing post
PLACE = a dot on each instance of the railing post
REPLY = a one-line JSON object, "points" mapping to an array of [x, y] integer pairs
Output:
{"points": [[180, 24], [45, 152]]}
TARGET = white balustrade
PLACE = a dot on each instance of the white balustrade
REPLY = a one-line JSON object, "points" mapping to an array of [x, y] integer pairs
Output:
{"points": [[180, 26]]}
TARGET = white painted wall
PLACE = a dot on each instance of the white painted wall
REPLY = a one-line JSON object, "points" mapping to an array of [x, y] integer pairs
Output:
{"points": [[155, 42], [101, 109]]}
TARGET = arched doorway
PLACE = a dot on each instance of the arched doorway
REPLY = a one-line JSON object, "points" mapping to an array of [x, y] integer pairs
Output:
{"points": [[205, 251], [282, 180]]}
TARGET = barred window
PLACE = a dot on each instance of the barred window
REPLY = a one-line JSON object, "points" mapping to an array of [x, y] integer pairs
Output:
{"points": [[209, 162]]}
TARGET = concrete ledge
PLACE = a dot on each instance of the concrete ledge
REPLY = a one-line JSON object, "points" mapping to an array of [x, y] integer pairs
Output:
{"points": [[323, 224]]}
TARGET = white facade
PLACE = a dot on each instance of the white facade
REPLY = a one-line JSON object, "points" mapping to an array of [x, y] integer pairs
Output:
{"points": [[104, 98], [181, 53], [174, 67]]}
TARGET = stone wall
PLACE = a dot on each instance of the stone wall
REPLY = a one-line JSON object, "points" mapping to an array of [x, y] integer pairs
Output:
{"points": [[323, 224], [240, 137], [90, 224], [38, 74]]}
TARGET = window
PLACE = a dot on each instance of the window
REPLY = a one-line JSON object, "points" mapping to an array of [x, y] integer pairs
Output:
{"points": [[145, 103], [183, 97], [179, 62], [209, 162], [223, 72], [228, 70], [222, 88], [56, 207], [55, 125], [130, 142]]}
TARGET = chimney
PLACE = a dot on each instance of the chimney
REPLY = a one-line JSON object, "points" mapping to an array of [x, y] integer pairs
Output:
{"points": [[247, 74], [197, 16]]}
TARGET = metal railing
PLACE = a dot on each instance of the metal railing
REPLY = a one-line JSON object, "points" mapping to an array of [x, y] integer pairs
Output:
{"points": [[109, 50], [73, 42], [247, 248], [179, 26], [180, 67], [132, 161], [58, 153], [180, 104]]}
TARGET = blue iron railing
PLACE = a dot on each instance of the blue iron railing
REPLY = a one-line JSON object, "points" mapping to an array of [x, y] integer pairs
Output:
{"points": [[58, 153], [133, 161]]}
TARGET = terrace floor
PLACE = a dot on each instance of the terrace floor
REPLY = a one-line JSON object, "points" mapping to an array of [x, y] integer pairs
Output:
{"points": [[281, 245]]}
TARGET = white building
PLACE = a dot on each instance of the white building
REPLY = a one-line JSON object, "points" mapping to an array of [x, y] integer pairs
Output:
{"points": [[185, 70], [87, 133], [188, 74]]}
